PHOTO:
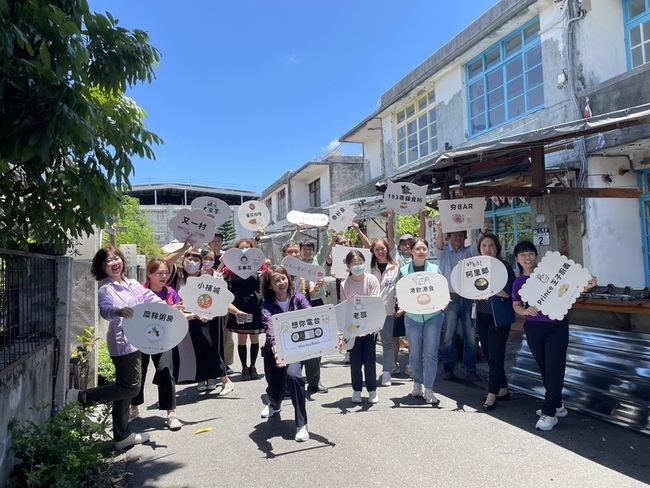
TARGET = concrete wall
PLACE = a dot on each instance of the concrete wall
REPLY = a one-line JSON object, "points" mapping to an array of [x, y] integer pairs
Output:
{"points": [[561, 214], [342, 177], [612, 245]]}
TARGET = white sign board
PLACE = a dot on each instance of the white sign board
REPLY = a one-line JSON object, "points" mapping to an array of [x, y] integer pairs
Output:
{"points": [[422, 292], [130, 252], [206, 296], [193, 224], [317, 219], [296, 267], [141, 259], [554, 285], [542, 236], [479, 277], [155, 327], [305, 334], [405, 198], [359, 316], [82, 248], [341, 216], [243, 262], [431, 232], [462, 214], [339, 268], [253, 215], [213, 207]]}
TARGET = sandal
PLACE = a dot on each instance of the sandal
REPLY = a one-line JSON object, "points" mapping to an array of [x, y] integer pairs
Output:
{"points": [[173, 423]]}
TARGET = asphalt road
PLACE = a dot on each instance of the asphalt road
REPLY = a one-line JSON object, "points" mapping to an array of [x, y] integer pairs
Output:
{"points": [[400, 441]]}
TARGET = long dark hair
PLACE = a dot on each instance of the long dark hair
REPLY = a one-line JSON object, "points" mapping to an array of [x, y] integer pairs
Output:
{"points": [[373, 259]]}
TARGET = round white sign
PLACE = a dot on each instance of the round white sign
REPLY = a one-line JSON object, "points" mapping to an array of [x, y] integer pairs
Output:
{"points": [[479, 277], [155, 327], [253, 215]]}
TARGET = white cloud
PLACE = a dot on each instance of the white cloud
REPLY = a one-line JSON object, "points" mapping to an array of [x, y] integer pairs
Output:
{"points": [[293, 59], [331, 146]]}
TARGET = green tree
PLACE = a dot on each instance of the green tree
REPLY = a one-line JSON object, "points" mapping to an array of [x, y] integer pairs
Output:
{"points": [[138, 229], [67, 131], [228, 231]]}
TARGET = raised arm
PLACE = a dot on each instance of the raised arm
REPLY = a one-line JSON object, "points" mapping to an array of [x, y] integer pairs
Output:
{"points": [[440, 242], [171, 259], [362, 237], [390, 230], [423, 224]]}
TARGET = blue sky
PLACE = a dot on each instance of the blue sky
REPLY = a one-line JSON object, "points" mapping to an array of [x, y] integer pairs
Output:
{"points": [[249, 90]]}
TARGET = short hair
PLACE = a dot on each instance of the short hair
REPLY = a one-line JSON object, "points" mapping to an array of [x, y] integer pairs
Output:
{"points": [[97, 265], [373, 259], [265, 285], [205, 250], [354, 254], [494, 238], [463, 231], [307, 243], [288, 244], [154, 265], [524, 246], [243, 240]]}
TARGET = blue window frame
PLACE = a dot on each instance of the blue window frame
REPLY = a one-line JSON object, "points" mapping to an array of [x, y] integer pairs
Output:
{"points": [[506, 81], [636, 14], [511, 220], [645, 222]]}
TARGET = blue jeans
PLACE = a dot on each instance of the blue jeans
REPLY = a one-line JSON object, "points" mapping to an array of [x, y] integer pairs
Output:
{"points": [[424, 341], [459, 309], [388, 347]]}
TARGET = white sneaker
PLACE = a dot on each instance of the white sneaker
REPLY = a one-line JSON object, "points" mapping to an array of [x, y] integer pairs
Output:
{"points": [[227, 388], [211, 385], [269, 411], [429, 397], [356, 397], [373, 397], [546, 422], [417, 390], [559, 412], [132, 440], [302, 434], [385, 379], [202, 386], [134, 413]]}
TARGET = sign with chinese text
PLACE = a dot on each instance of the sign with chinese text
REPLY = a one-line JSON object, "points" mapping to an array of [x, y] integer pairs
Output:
{"points": [[296, 267], [206, 296], [130, 252], [462, 214], [193, 224], [317, 219], [479, 277], [155, 327], [430, 236], [422, 292], [542, 236], [341, 216], [253, 215], [243, 262], [554, 285], [359, 316], [339, 268], [213, 207], [305, 334], [405, 198], [82, 248]]}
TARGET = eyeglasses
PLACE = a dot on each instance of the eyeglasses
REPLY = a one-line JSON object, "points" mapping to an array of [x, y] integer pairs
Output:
{"points": [[162, 274]]}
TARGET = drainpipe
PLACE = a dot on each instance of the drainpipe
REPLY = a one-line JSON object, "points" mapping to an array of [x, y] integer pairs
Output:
{"points": [[576, 13]]}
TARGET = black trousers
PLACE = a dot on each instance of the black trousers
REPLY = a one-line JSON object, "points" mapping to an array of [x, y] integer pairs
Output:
{"points": [[278, 380], [363, 353], [549, 341], [162, 378], [493, 341]]}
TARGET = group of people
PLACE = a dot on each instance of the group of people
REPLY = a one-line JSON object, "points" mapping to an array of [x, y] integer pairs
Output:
{"points": [[206, 353]]}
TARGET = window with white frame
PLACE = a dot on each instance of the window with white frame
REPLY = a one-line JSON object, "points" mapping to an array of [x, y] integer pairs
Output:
{"points": [[506, 81], [416, 129], [282, 204], [314, 193], [637, 31]]}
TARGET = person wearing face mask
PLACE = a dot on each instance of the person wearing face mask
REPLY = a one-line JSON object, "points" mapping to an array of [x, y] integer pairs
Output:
{"points": [[363, 353], [200, 362], [245, 315]]}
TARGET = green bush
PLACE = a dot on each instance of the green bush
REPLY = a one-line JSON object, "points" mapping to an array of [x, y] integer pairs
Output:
{"points": [[105, 366], [66, 450]]}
